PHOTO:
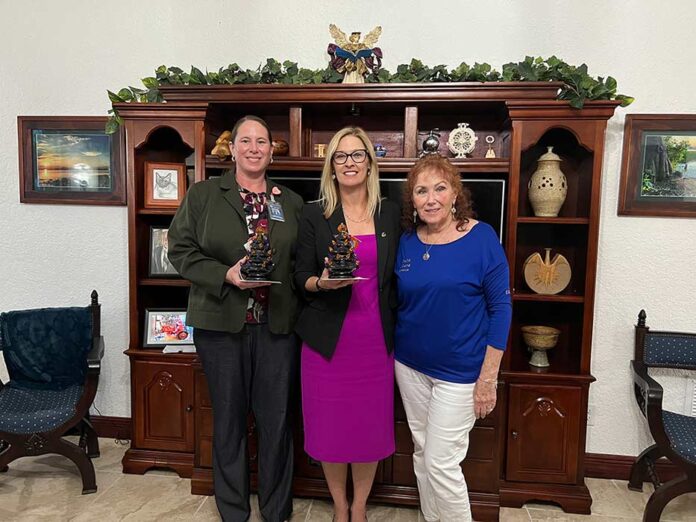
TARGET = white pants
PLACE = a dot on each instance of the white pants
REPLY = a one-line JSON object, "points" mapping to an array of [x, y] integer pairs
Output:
{"points": [[440, 415]]}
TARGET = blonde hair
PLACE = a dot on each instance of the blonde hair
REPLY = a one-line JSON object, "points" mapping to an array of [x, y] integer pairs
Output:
{"points": [[328, 186]]}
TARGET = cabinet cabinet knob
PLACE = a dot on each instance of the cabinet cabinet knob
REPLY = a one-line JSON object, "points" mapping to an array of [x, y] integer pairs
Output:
{"points": [[514, 434], [189, 408]]}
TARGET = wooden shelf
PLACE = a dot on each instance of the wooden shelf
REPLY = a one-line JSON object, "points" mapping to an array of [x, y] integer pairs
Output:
{"points": [[152, 281], [385, 164], [554, 220], [558, 298], [156, 211]]}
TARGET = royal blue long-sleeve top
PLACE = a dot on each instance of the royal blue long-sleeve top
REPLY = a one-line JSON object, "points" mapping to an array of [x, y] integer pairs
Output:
{"points": [[452, 306]]}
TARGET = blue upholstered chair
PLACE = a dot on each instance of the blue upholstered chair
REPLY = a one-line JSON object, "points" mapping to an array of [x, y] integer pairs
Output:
{"points": [[53, 356], [674, 434]]}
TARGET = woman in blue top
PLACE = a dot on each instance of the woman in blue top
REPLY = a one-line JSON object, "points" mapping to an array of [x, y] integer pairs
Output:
{"points": [[452, 325]]}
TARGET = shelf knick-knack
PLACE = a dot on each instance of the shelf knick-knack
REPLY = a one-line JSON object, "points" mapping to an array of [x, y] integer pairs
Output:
{"points": [[222, 145], [547, 276], [342, 259], [462, 140], [431, 144], [548, 186], [539, 339], [259, 262]]}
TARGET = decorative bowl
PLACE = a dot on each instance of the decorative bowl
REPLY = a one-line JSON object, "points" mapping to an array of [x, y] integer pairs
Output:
{"points": [[540, 337]]}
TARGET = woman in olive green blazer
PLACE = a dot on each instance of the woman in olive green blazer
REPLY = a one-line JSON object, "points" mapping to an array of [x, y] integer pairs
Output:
{"points": [[243, 330]]}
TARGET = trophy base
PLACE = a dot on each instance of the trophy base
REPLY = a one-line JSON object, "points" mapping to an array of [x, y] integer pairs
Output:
{"points": [[349, 278]]}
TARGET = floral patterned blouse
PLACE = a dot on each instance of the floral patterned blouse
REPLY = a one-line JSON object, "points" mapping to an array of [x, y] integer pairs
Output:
{"points": [[256, 211]]}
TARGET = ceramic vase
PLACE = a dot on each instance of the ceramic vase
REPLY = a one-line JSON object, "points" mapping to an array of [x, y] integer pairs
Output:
{"points": [[547, 187]]}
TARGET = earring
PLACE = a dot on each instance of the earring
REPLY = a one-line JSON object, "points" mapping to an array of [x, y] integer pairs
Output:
{"points": [[233, 158], [271, 159], [333, 176], [368, 172], [454, 209], [415, 216]]}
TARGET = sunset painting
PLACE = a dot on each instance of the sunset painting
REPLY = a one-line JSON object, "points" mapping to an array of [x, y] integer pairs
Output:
{"points": [[75, 161]]}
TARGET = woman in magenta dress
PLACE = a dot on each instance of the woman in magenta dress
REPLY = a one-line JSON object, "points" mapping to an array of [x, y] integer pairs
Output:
{"points": [[348, 326]]}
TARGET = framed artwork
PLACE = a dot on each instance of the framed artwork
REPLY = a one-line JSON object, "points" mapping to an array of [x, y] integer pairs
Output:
{"points": [[165, 184], [166, 326], [658, 169], [70, 160], [159, 264]]}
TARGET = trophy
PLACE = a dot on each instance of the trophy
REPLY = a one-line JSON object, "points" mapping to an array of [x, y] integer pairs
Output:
{"points": [[342, 260], [259, 262]]}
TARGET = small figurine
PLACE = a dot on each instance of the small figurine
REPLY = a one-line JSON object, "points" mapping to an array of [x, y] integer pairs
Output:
{"points": [[280, 147], [222, 145], [320, 150], [490, 153], [352, 58], [380, 150], [342, 261], [431, 144], [259, 262]]}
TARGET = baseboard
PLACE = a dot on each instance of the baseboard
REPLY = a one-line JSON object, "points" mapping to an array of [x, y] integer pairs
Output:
{"points": [[618, 467], [597, 465], [112, 427]]}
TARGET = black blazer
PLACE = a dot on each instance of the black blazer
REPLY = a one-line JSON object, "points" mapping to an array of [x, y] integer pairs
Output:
{"points": [[322, 317]]}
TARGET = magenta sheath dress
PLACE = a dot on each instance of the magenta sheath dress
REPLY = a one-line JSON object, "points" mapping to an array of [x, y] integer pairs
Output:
{"points": [[348, 401]]}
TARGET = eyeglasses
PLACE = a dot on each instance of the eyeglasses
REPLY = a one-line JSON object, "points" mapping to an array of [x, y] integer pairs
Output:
{"points": [[358, 156]]}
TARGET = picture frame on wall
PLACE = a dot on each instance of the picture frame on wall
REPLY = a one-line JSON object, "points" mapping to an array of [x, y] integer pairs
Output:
{"points": [[166, 326], [158, 263], [70, 160], [658, 170], [165, 184]]}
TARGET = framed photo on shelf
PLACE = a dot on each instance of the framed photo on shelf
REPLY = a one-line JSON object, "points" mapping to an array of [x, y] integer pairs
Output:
{"points": [[159, 264], [165, 184], [70, 160], [165, 326], [658, 169]]}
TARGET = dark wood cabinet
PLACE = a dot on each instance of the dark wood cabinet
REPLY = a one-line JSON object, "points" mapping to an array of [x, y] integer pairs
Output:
{"points": [[545, 409], [544, 429]]}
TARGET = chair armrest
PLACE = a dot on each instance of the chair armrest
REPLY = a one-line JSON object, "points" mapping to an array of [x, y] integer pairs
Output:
{"points": [[649, 397], [95, 356], [648, 391]]}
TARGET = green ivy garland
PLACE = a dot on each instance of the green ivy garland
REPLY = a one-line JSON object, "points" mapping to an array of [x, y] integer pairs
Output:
{"points": [[578, 85]]}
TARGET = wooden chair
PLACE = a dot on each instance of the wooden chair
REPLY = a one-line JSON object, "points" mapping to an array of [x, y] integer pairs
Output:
{"points": [[53, 356], [674, 434]]}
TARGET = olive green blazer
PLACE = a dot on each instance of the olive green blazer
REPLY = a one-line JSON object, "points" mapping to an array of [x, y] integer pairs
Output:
{"points": [[207, 237]]}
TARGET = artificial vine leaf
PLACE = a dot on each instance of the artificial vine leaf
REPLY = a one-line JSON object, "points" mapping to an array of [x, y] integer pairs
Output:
{"points": [[578, 85]]}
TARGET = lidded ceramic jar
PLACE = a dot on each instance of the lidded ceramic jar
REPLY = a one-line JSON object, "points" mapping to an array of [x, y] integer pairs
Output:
{"points": [[548, 186]]}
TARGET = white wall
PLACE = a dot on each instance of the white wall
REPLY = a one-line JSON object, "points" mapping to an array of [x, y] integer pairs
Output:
{"points": [[58, 58]]}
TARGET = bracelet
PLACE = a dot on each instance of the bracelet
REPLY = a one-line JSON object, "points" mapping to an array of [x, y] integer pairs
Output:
{"points": [[316, 285], [494, 382]]}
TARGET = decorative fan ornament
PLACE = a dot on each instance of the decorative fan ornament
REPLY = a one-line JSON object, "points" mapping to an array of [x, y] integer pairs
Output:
{"points": [[462, 140]]}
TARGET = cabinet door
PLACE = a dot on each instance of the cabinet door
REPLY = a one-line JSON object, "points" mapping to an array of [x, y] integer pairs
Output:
{"points": [[163, 406], [543, 433]]}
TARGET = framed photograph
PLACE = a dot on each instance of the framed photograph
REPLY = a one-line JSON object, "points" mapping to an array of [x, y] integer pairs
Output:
{"points": [[658, 170], [166, 326], [70, 160], [165, 184], [159, 264]]}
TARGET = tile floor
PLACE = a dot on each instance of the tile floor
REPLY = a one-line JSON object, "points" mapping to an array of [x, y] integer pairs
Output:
{"points": [[48, 489]]}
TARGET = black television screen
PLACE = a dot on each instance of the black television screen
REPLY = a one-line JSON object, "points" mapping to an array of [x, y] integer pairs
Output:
{"points": [[488, 195]]}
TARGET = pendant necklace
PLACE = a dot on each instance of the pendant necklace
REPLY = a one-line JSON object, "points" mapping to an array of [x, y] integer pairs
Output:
{"points": [[426, 256]]}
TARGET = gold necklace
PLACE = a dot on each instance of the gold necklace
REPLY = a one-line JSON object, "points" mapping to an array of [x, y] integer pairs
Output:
{"points": [[355, 220]]}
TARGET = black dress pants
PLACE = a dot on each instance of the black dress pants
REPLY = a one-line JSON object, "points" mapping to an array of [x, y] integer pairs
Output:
{"points": [[251, 370]]}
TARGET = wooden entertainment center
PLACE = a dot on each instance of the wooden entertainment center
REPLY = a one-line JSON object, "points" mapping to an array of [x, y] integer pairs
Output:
{"points": [[533, 446]]}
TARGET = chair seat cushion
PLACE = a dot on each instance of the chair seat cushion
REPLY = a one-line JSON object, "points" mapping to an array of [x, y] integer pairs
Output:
{"points": [[25, 411], [681, 430]]}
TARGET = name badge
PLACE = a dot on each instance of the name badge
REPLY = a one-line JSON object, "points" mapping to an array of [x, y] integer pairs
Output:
{"points": [[275, 211]]}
